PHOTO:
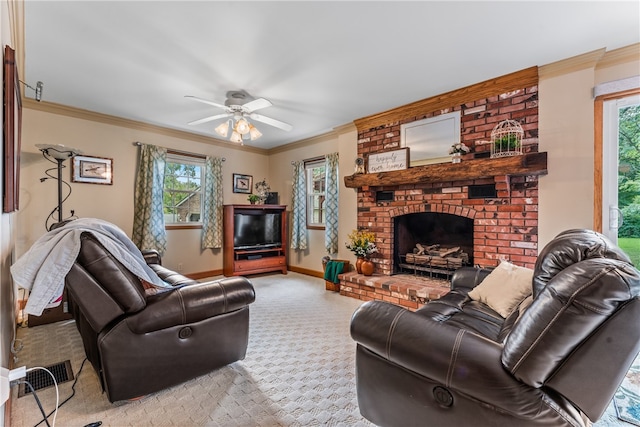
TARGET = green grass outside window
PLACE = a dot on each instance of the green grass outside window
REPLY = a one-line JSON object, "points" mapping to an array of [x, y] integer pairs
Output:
{"points": [[631, 245]]}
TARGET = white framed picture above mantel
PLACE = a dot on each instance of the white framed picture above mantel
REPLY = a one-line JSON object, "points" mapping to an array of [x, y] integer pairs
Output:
{"points": [[430, 139]]}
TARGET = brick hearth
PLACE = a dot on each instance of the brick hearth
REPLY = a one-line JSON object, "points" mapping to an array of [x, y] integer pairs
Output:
{"points": [[402, 289]]}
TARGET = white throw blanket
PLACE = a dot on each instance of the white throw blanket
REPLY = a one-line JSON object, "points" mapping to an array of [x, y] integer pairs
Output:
{"points": [[43, 267]]}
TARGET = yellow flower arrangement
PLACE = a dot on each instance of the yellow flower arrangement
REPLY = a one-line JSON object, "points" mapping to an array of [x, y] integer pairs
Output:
{"points": [[362, 243]]}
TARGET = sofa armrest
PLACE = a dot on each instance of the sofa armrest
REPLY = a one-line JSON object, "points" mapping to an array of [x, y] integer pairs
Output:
{"points": [[192, 303], [468, 277], [457, 359]]}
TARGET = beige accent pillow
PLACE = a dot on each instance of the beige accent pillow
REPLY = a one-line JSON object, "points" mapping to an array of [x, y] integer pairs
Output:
{"points": [[504, 288]]}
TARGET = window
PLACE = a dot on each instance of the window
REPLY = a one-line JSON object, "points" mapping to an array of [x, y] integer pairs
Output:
{"points": [[183, 179], [315, 171]]}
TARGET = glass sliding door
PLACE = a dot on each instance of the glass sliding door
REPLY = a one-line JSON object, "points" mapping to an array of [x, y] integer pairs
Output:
{"points": [[621, 173]]}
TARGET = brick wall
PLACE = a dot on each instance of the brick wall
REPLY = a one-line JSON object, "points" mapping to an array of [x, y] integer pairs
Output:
{"points": [[505, 227]]}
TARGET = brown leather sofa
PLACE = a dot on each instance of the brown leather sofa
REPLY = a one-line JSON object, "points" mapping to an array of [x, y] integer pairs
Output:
{"points": [[456, 362], [139, 342]]}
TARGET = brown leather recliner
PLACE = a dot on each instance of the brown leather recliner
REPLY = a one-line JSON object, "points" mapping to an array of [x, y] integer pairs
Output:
{"points": [[456, 362], [140, 343]]}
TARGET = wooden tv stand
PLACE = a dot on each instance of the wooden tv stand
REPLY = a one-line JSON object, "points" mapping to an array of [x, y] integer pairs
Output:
{"points": [[243, 262]]}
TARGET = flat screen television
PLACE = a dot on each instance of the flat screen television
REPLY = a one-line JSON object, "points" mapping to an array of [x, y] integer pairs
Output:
{"points": [[258, 230]]}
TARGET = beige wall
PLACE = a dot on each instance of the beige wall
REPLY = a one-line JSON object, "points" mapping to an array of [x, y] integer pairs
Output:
{"points": [[566, 109], [114, 203], [343, 141]]}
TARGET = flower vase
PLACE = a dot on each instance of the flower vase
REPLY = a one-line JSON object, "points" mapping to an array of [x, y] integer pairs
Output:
{"points": [[456, 158], [367, 267], [359, 262]]}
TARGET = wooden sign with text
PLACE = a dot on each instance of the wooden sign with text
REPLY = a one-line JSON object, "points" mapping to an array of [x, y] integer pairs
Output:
{"points": [[388, 161]]}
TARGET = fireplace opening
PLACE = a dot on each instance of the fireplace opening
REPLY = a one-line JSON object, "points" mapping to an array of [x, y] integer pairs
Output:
{"points": [[432, 243]]}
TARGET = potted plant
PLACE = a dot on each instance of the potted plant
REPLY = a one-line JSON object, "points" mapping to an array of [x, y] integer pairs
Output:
{"points": [[506, 139], [262, 190], [508, 142], [457, 150], [362, 244], [253, 198]]}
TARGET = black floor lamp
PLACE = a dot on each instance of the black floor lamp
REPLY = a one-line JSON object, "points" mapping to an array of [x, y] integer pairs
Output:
{"points": [[57, 154]]}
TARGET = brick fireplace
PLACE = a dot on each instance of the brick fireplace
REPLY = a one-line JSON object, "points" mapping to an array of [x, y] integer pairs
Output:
{"points": [[504, 219], [504, 227]]}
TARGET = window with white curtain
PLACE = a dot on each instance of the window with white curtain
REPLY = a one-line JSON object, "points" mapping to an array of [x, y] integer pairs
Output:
{"points": [[316, 193]]}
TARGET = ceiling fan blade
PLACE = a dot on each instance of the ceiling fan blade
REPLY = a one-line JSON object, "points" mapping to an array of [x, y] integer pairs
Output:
{"points": [[205, 101], [271, 122], [210, 118], [257, 104]]}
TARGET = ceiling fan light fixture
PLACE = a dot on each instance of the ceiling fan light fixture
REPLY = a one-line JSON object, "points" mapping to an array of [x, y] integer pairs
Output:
{"points": [[238, 108], [254, 132], [242, 126], [223, 128], [236, 137]]}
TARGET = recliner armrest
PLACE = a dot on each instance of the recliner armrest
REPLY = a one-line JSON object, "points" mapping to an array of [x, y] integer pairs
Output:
{"points": [[192, 303], [171, 277], [468, 277], [457, 359], [151, 256]]}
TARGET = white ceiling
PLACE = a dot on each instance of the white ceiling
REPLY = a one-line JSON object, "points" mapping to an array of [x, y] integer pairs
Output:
{"points": [[321, 64]]}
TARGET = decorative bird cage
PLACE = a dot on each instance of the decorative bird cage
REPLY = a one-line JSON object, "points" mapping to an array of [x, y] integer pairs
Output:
{"points": [[506, 139]]}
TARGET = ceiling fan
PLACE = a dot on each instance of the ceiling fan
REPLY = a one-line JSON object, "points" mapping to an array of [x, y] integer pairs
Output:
{"points": [[240, 106]]}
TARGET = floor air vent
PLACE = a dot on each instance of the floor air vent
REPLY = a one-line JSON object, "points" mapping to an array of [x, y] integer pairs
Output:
{"points": [[40, 379]]}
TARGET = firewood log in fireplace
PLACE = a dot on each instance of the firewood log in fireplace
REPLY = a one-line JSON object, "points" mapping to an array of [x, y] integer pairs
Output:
{"points": [[421, 249], [438, 257]]}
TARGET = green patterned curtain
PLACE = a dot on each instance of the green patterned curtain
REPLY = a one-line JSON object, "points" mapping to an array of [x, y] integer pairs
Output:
{"points": [[148, 215], [212, 204], [331, 203], [299, 218]]}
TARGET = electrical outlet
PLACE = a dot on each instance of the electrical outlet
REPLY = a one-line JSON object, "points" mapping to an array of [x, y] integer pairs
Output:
{"points": [[180, 266]]}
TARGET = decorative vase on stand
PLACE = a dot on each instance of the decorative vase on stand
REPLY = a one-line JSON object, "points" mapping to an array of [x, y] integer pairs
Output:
{"points": [[359, 262], [456, 158], [367, 267]]}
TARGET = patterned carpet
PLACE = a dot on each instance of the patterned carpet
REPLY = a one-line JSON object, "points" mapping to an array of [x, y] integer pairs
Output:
{"points": [[299, 371], [627, 398]]}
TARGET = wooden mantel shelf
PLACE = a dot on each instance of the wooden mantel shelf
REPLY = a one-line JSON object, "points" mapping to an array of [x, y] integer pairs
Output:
{"points": [[526, 164]]}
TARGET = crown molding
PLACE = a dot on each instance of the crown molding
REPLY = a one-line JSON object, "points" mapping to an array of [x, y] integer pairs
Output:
{"points": [[622, 55], [345, 128], [304, 143], [336, 132], [570, 65], [64, 110]]}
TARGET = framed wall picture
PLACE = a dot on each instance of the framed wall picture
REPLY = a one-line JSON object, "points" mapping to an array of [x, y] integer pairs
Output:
{"points": [[242, 183], [12, 126], [92, 170]]}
